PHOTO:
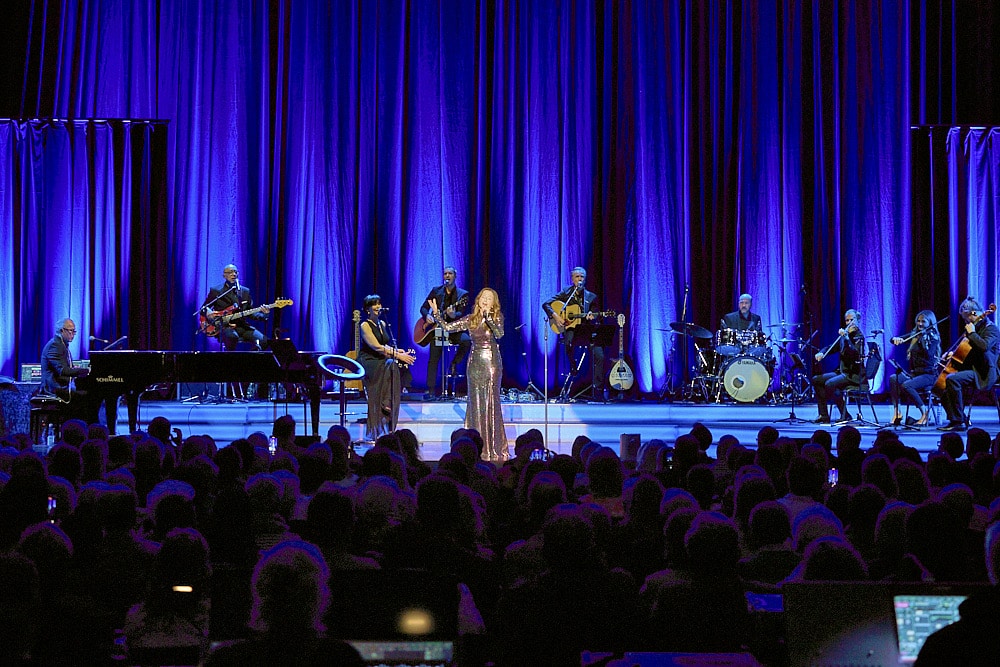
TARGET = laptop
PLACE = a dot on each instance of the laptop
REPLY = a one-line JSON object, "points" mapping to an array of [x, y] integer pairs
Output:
{"points": [[400, 653], [918, 616], [866, 623]]}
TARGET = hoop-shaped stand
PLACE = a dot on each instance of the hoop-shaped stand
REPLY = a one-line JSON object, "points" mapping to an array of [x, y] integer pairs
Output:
{"points": [[343, 369]]}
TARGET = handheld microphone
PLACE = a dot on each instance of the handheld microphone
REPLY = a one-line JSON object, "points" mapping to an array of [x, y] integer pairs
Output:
{"points": [[99, 340]]}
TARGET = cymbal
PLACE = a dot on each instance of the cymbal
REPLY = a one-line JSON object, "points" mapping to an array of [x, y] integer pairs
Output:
{"points": [[689, 329], [784, 324]]}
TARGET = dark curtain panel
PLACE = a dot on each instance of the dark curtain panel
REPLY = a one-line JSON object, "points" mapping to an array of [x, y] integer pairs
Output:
{"points": [[84, 234], [683, 152]]}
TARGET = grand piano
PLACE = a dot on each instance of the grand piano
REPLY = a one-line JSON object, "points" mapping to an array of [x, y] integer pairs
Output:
{"points": [[129, 373]]}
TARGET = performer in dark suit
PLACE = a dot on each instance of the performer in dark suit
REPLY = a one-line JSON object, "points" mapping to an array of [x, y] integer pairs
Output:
{"points": [[742, 319], [979, 369], [577, 294], [58, 373], [231, 294], [850, 346], [453, 302]]}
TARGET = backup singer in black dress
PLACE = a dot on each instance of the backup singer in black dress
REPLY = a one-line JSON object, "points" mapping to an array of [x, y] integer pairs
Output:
{"points": [[850, 346], [485, 371], [922, 353], [381, 363]]}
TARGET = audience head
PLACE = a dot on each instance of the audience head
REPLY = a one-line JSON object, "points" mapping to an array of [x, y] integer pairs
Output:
{"points": [[290, 591]]}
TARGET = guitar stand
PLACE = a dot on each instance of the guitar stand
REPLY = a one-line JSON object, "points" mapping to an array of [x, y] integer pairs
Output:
{"points": [[564, 395]]}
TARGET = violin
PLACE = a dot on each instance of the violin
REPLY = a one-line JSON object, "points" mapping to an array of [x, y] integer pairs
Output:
{"points": [[961, 349]]}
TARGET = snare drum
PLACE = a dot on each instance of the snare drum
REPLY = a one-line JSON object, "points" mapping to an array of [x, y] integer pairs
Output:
{"points": [[745, 378], [727, 342]]}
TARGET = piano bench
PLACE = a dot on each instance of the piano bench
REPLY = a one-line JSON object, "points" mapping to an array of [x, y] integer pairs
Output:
{"points": [[43, 412]]}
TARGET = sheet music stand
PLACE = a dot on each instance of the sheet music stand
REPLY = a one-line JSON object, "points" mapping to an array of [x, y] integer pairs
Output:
{"points": [[587, 335]]}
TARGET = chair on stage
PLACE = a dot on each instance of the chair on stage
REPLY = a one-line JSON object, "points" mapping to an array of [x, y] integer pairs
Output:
{"points": [[342, 369], [932, 403], [862, 391]]}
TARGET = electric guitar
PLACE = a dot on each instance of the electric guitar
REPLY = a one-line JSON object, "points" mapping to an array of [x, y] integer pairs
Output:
{"points": [[572, 314], [357, 385], [621, 377], [423, 332], [211, 323]]}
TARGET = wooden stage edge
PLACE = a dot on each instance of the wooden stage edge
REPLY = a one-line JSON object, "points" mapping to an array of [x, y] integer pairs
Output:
{"points": [[433, 422]]}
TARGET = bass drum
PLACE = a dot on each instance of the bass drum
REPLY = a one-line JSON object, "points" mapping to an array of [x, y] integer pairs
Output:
{"points": [[745, 378]]}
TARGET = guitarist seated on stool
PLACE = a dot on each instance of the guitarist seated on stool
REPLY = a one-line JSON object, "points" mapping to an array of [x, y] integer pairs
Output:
{"points": [[452, 300], [565, 310], [231, 295]]}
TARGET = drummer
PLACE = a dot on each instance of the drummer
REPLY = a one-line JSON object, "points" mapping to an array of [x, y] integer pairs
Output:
{"points": [[740, 320]]}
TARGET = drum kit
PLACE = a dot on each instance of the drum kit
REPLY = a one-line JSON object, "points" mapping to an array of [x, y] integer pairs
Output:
{"points": [[740, 364]]}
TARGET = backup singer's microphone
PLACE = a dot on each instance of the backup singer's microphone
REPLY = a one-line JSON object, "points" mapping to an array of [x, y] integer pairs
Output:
{"points": [[520, 326], [238, 288], [99, 340], [384, 310], [875, 332]]}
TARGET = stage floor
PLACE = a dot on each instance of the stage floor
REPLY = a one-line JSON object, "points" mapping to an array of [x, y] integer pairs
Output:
{"points": [[433, 422]]}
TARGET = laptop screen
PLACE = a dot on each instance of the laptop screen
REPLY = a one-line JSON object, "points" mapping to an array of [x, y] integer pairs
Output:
{"points": [[919, 616], [396, 653]]}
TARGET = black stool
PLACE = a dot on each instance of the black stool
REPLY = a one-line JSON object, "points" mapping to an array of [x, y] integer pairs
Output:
{"points": [[45, 411], [342, 369]]}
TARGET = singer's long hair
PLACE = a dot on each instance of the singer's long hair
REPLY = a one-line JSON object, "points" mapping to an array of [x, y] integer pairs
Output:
{"points": [[931, 330], [476, 319]]}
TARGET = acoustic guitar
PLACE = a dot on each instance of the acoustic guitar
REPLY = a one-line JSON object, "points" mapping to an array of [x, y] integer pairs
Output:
{"points": [[211, 323], [621, 378], [572, 314], [423, 332], [356, 385], [956, 359]]}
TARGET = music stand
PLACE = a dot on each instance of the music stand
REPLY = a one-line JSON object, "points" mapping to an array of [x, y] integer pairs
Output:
{"points": [[588, 335]]}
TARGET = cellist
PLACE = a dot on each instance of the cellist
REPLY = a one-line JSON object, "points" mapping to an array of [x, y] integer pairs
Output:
{"points": [[980, 347]]}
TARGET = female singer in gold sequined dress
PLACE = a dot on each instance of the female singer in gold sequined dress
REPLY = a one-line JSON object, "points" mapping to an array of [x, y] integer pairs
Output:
{"points": [[484, 370]]}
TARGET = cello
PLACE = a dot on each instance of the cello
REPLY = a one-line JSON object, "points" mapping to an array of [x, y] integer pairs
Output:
{"points": [[961, 349]]}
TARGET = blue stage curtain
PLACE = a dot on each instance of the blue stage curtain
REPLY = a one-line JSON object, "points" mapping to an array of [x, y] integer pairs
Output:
{"points": [[80, 211], [683, 152]]}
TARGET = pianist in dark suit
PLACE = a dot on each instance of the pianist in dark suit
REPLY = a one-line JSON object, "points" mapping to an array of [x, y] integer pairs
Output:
{"points": [[232, 297], [58, 372]]}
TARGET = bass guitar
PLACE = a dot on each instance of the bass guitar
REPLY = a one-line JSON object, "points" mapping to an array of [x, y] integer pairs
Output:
{"points": [[621, 378], [954, 360], [423, 332], [213, 322], [356, 385], [572, 314]]}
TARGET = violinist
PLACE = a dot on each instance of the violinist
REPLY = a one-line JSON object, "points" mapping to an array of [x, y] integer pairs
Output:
{"points": [[979, 367], [850, 345], [923, 351]]}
